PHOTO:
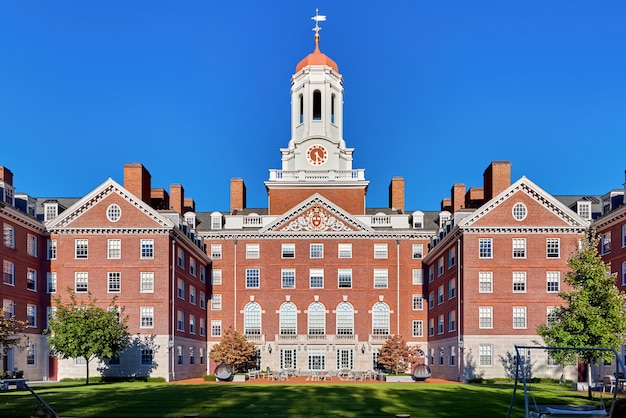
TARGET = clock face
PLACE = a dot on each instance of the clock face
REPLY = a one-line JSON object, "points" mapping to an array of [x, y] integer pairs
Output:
{"points": [[316, 155]]}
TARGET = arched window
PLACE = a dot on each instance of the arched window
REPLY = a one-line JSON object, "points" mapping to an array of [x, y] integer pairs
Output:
{"points": [[332, 108], [345, 319], [301, 99], [380, 319], [317, 105], [252, 319], [288, 319], [317, 319]]}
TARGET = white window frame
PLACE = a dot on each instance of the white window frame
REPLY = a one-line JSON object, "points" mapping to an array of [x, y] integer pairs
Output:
{"points": [[81, 248], [519, 282], [485, 247], [146, 317], [288, 250], [81, 282], [216, 251], [253, 251], [519, 247], [520, 319], [112, 278], [344, 250], [288, 278], [316, 250], [552, 278], [418, 328], [381, 250], [253, 278], [485, 317], [146, 249], [317, 274], [216, 302], [216, 276], [418, 276], [418, 302], [51, 282], [381, 278], [553, 248], [418, 251], [114, 249], [344, 278], [485, 282], [216, 328], [52, 249], [146, 282]]}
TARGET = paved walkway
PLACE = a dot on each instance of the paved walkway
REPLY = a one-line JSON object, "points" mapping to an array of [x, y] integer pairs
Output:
{"points": [[295, 380]]}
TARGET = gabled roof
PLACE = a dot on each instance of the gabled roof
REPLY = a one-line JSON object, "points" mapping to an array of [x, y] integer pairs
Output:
{"points": [[96, 195], [316, 214], [525, 185]]}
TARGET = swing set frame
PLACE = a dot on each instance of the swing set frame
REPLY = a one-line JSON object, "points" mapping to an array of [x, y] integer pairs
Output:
{"points": [[519, 374]]}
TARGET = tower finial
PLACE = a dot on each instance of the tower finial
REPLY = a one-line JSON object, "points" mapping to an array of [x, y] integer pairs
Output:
{"points": [[318, 18]]}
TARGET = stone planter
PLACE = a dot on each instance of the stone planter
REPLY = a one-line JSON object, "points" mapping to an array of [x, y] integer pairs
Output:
{"points": [[239, 378], [390, 378]]}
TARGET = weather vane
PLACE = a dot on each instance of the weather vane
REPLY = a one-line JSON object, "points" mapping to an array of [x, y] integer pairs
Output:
{"points": [[318, 18]]}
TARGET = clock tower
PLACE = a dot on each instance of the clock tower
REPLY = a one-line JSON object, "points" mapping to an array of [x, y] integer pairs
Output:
{"points": [[316, 159]]}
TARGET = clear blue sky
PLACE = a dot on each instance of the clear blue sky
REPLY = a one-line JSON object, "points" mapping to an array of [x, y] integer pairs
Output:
{"points": [[198, 91]]}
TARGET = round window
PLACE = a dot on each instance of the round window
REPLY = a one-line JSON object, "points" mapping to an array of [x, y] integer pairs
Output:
{"points": [[519, 211], [114, 212]]}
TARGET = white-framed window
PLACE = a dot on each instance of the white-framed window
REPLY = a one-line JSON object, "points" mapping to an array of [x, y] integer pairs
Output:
{"points": [[485, 282], [519, 282], [553, 247], [519, 247], [288, 250], [216, 302], [623, 273], [452, 321], [605, 243], [440, 295], [179, 354], [519, 317], [216, 220], [81, 282], [485, 248], [316, 356], [202, 300], [288, 278], [317, 251], [288, 319], [114, 248], [418, 302], [252, 319], [623, 236], [193, 266], [381, 279], [519, 211], [345, 319], [216, 276], [8, 272], [180, 257], [216, 251], [31, 354], [451, 288], [51, 210], [316, 319], [550, 315], [114, 282], [316, 278], [553, 281], [202, 326], [9, 236], [147, 248], [180, 288], [31, 245], [380, 250], [114, 212], [202, 274], [418, 251], [418, 328], [192, 294], [180, 321], [584, 209], [440, 266], [31, 315], [431, 273], [451, 257], [418, 276], [192, 354], [147, 282], [431, 300], [81, 248], [52, 249], [31, 279], [51, 282], [192, 324], [253, 251], [147, 316], [344, 278], [431, 327], [380, 319], [216, 328], [485, 317], [485, 354], [344, 250], [440, 324], [451, 356], [9, 307], [253, 278]]}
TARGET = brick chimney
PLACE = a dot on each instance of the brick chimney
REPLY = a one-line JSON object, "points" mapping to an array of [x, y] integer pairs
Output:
{"points": [[396, 194], [190, 205], [160, 199], [475, 197], [496, 177], [137, 181], [177, 198], [458, 196], [6, 175], [237, 195], [446, 204]]}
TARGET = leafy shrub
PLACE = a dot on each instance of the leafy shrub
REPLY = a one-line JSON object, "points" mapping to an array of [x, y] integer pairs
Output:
{"points": [[209, 378]]}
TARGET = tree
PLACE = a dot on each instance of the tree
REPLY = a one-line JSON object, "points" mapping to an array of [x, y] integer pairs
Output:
{"points": [[594, 314], [9, 328], [234, 350], [395, 355], [82, 329]]}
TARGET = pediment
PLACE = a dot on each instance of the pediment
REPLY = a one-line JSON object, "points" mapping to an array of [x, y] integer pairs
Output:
{"points": [[316, 215], [90, 211], [543, 209]]}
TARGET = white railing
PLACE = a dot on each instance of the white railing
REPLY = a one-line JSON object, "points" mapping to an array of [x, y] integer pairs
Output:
{"points": [[381, 220], [321, 175]]}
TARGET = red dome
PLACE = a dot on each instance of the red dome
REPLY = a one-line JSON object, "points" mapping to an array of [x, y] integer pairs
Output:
{"points": [[317, 58]]}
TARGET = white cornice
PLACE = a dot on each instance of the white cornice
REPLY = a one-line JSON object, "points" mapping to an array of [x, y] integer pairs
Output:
{"points": [[23, 219]]}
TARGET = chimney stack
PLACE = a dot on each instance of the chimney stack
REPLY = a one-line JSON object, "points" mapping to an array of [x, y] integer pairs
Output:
{"points": [[177, 198], [496, 178], [6, 175], [190, 205], [237, 195], [458, 196], [137, 181], [160, 199], [396, 194]]}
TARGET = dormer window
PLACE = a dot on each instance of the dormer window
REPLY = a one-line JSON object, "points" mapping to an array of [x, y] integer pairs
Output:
{"points": [[418, 220], [190, 218], [51, 210], [444, 217], [6, 194], [584, 210], [317, 105], [216, 220]]}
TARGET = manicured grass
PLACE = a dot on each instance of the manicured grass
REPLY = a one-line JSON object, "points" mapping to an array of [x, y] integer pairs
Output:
{"points": [[280, 400]]}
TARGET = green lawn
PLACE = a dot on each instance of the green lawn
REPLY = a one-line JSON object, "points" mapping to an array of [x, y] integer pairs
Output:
{"points": [[279, 400]]}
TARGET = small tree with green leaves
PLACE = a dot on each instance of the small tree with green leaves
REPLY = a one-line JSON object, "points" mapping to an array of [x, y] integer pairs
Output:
{"points": [[234, 350], [82, 329], [396, 356], [593, 315], [9, 328]]}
